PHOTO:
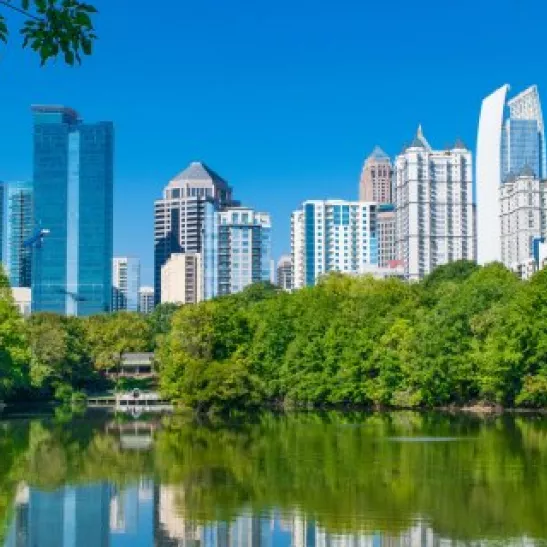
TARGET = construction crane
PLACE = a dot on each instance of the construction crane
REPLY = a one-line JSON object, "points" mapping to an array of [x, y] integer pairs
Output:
{"points": [[35, 242]]}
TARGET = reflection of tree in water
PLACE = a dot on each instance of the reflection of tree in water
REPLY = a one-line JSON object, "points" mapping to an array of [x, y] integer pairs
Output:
{"points": [[347, 473]]}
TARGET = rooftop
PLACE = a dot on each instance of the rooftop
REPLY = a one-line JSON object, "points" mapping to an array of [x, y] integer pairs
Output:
{"points": [[198, 172]]}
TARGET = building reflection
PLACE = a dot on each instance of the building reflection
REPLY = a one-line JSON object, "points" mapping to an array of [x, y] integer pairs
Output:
{"points": [[146, 514]]}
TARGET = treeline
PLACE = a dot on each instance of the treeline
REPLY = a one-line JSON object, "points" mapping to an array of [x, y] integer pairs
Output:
{"points": [[465, 335], [51, 356]]}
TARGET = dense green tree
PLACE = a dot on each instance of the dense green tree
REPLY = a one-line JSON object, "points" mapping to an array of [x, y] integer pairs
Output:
{"points": [[14, 354], [52, 27], [109, 336]]}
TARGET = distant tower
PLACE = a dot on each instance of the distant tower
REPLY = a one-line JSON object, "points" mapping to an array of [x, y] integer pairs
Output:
{"points": [[375, 183], [146, 299], [186, 210], [126, 280], [284, 273]]}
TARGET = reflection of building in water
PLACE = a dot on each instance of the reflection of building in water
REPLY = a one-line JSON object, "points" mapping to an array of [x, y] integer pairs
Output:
{"points": [[131, 508], [68, 517]]}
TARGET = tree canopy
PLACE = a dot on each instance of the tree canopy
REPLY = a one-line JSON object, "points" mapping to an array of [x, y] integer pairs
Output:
{"points": [[51, 27]]}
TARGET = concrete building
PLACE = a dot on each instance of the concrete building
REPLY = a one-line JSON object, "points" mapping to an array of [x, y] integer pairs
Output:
{"points": [[510, 137], [185, 212], [146, 299], [387, 229], [284, 273], [244, 249], [126, 281], [181, 279], [376, 178], [434, 204], [333, 235], [23, 300]]}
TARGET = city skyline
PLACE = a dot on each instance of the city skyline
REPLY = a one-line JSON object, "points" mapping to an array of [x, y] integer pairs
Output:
{"points": [[296, 111]]}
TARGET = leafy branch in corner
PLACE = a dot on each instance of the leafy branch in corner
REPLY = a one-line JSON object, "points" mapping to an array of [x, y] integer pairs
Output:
{"points": [[53, 27]]}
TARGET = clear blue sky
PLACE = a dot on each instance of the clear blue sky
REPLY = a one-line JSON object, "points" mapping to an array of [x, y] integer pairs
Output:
{"points": [[284, 98]]}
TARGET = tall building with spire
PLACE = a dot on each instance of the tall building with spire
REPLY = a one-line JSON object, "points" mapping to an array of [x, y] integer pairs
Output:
{"points": [[510, 141], [185, 213], [376, 178], [434, 204]]}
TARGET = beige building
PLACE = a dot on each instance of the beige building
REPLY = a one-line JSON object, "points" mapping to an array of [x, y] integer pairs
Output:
{"points": [[22, 299], [386, 225], [181, 279], [375, 183]]}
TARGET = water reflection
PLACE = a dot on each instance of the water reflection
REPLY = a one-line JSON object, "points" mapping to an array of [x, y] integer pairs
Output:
{"points": [[302, 481]]}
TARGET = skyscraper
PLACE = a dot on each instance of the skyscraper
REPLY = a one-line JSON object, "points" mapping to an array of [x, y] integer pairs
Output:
{"points": [[434, 203], [73, 180], [375, 183], [244, 249], [284, 273], [510, 137], [186, 210], [333, 235], [146, 299], [126, 282], [16, 226], [386, 228]]}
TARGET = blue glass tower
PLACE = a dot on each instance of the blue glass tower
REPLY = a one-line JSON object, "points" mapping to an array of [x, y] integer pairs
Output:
{"points": [[73, 180], [16, 226]]}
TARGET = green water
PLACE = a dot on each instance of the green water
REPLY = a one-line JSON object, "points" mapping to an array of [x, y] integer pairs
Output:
{"points": [[304, 480]]}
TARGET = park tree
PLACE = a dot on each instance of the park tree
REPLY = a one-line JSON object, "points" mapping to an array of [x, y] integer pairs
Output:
{"points": [[51, 28], [13, 343]]}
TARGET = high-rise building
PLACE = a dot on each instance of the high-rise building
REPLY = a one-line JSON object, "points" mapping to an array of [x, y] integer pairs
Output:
{"points": [[510, 137], [376, 178], [181, 279], [126, 281], [522, 217], [386, 228], [146, 299], [73, 180], [244, 249], [16, 225], [434, 204], [333, 235], [284, 273], [185, 213]]}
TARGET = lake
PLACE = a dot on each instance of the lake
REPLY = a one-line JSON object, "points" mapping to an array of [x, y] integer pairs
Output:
{"points": [[302, 480]]}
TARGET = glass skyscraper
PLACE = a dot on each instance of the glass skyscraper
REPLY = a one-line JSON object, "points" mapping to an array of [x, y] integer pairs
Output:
{"points": [[126, 282], [16, 226], [73, 180], [511, 140]]}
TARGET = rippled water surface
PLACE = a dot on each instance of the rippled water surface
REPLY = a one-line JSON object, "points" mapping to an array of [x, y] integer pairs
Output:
{"points": [[298, 480]]}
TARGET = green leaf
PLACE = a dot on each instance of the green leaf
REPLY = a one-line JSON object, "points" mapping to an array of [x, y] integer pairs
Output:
{"points": [[83, 19], [69, 58]]}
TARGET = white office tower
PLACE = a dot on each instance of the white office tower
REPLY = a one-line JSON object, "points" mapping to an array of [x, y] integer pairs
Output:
{"points": [[284, 273], [522, 220], [510, 138], [181, 279], [333, 235], [126, 281], [146, 299], [434, 204]]}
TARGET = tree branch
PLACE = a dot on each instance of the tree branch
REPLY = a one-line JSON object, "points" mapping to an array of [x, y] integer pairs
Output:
{"points": [[9, 5]]}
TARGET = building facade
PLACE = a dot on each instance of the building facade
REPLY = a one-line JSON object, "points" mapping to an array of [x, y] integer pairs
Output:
{"points": [[376, 178], [73, 194], [16, 226], [284, 277], [185, 212], [434, 204], [146, 299], [387, 229], [522, 217], [126, 282], [510, 137], [333, 235], [243, 249], [181, 279]]}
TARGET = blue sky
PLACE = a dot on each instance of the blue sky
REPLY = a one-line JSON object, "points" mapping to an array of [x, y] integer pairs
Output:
{"points": [[283, 98]]}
